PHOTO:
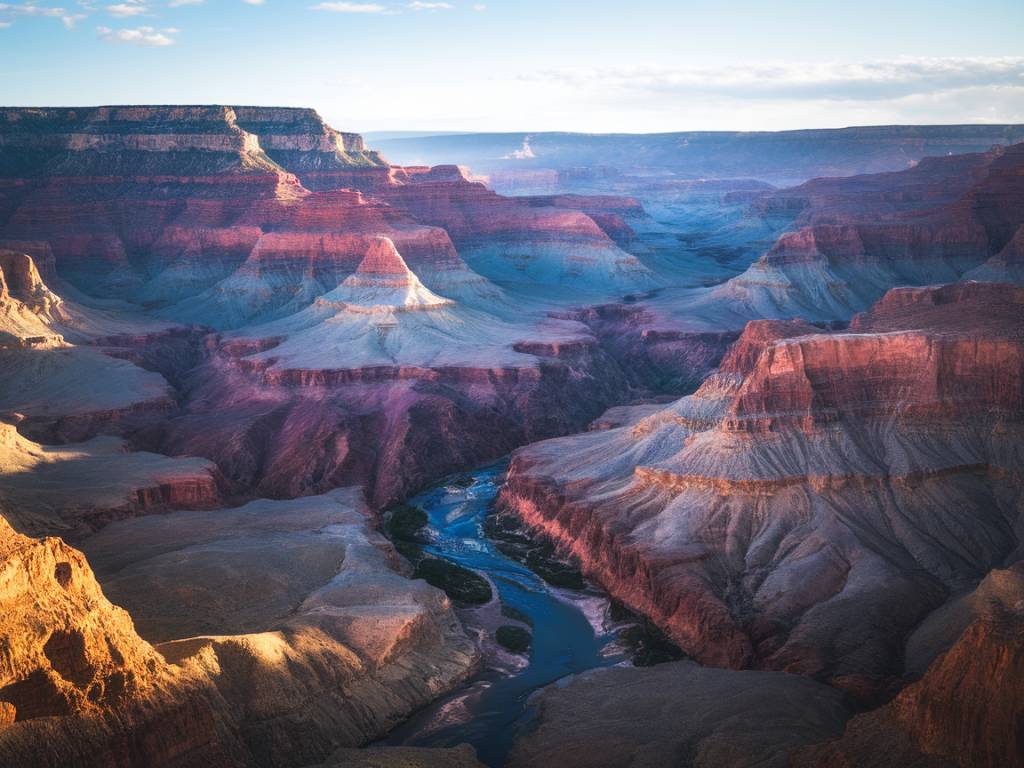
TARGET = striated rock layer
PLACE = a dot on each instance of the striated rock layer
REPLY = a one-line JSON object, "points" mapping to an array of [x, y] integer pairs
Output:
{"points": [[270, 207], [851, 239], [817, 479]]}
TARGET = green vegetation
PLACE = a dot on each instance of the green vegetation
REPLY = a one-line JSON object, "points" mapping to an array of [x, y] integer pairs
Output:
{"points": [[460, 584], [516, 639], [537, 554], [516, 615], [646, 644], [405, 523]]}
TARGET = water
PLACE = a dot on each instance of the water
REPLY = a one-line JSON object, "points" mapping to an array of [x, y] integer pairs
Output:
{"points": [[490, 711]]}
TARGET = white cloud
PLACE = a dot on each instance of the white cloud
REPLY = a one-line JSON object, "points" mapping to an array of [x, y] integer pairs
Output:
{"points": [[5, 24], [31, 9], [340, 7], [147, 36], [867, 80], [130, 8], [418, 5], [479, 7], [254, 2]]}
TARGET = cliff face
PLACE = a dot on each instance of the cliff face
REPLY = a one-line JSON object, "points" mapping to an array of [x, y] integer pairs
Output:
{"points": [[258, 219], [28, 309], [758, 520], [964, 711]]}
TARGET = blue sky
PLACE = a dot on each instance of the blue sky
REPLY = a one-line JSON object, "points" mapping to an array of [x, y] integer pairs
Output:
{"points": [[605, 65]]}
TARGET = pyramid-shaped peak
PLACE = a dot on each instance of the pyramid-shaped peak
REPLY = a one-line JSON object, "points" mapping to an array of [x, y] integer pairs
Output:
{"points": [[382, 282], [383, 258]]}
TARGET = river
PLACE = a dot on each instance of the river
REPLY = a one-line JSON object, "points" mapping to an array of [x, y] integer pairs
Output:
{"points": [[572, 629]]}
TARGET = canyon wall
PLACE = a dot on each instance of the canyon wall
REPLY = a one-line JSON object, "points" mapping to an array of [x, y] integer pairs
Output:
{"points": [[815, 479]]}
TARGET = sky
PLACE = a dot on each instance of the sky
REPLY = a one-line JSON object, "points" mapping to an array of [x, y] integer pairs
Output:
{"points": [[530, 65]]}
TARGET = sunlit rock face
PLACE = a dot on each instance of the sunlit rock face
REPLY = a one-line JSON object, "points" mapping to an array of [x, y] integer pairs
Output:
{"points": [[816, 479], [73, 489], [327, 646], [77, 683]]}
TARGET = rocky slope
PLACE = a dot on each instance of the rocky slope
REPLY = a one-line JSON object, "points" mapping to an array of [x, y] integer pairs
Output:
{"points": [[816, 479], [73, 489], [387, 395], [77, 684], [327, 646]]}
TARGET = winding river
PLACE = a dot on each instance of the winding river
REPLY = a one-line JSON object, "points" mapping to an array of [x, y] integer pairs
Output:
{"points": [[571, 629]]}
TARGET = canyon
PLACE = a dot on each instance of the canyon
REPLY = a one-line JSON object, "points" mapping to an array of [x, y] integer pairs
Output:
{"points": [[768, 399]]}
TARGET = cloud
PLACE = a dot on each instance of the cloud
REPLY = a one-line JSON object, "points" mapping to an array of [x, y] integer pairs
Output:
{"points": [[130, 8], [351, 7], [255, 2], [867, 80], [5, 24], [479, 7], [418, 5], [178, 3], [31, 9], [146, 36]]}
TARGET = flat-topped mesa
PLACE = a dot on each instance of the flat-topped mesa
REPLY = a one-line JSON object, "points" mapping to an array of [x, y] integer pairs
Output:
{"points": [[925, 353], [135, 141], [383, 283], [299, 140]]}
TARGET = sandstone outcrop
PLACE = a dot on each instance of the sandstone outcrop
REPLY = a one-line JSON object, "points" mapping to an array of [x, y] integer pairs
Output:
{"points": [[329, 643], [71, 490], [77, 684], [739, 518]]}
